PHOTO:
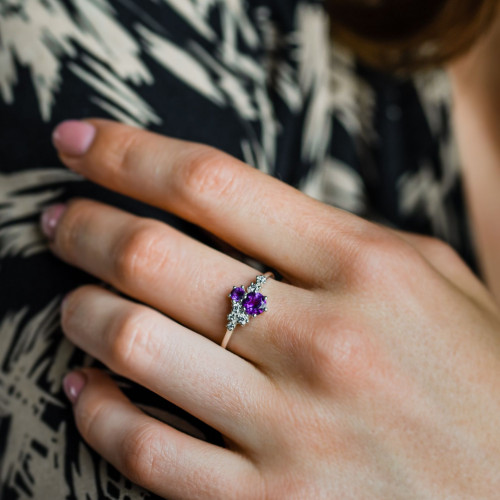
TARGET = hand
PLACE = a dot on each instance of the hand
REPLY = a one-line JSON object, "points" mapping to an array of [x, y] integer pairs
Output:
{"points": [[374, 374]]}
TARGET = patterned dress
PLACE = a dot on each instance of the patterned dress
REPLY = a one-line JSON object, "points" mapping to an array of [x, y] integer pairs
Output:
{"points": [[259, 79]]}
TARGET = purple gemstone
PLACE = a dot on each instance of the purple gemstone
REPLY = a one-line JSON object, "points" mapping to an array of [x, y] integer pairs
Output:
{"points": [[237, 294], [254, 303]]}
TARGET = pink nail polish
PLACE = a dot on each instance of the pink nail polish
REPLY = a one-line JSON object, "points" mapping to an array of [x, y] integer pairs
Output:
{"points": [[73, 385], [73, 137], [50, 218]]}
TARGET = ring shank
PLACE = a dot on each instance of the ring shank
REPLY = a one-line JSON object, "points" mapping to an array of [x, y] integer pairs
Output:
{"points": [[226, 338]]}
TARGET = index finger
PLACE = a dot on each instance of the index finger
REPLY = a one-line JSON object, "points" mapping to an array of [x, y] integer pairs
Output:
{"points": [[255, 213]]}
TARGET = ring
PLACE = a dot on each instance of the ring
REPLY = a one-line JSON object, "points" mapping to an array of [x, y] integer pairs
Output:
{"points": [[245, 304]]}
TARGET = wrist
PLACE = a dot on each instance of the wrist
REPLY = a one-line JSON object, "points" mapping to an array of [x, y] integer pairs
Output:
{"points": [[474, 88], [476, 105]]}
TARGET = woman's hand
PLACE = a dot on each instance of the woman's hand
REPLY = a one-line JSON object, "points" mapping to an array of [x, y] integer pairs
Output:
{"points": [[374, 374]]}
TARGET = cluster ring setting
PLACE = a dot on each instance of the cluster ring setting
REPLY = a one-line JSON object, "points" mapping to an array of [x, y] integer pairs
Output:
{"points": [[245, 304]]}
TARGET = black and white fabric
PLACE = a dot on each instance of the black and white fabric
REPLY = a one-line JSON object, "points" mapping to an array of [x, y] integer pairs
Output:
{"points": [[259, 79]]}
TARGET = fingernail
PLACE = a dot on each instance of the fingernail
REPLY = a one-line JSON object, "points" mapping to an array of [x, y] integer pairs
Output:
{"points": [[50, 218], [73, 137], [73, 385]]}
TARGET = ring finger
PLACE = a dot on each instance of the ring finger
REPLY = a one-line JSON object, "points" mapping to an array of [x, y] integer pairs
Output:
{"points": [[156, 264]]}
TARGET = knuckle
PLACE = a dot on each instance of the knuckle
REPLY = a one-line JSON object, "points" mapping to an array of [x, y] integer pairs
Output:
{"points": [[119, 151], [140, 253], [332, 250], [385, 261], [207, 175], [341, 243], [139, 454], [342, 352], [129, 339], [332, 350]]}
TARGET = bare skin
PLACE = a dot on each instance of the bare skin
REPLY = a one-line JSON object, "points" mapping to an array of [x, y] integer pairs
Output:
{"points": [[374, 375], [476, 91]]}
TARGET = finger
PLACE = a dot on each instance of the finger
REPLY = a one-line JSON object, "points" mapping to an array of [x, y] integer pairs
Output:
{"points": [[255, 213], [151, 453], [162, 267], [133, 340]]}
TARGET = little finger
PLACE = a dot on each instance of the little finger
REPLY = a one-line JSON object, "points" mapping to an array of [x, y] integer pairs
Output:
{"points": [[151, 453]]}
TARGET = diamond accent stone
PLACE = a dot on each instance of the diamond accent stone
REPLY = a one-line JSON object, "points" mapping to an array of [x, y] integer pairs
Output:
{"points": [[261, 280]]}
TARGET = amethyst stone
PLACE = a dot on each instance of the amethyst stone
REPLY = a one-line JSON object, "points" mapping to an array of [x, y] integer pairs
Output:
{"points": [[254, 303], [237, 294]]}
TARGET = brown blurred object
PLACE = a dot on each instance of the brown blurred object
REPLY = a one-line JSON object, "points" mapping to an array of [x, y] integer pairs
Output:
{"points": [[405, 35]]}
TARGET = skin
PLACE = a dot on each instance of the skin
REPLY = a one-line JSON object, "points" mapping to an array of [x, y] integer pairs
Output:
{"points": [[374, 375], [475, 81]]}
